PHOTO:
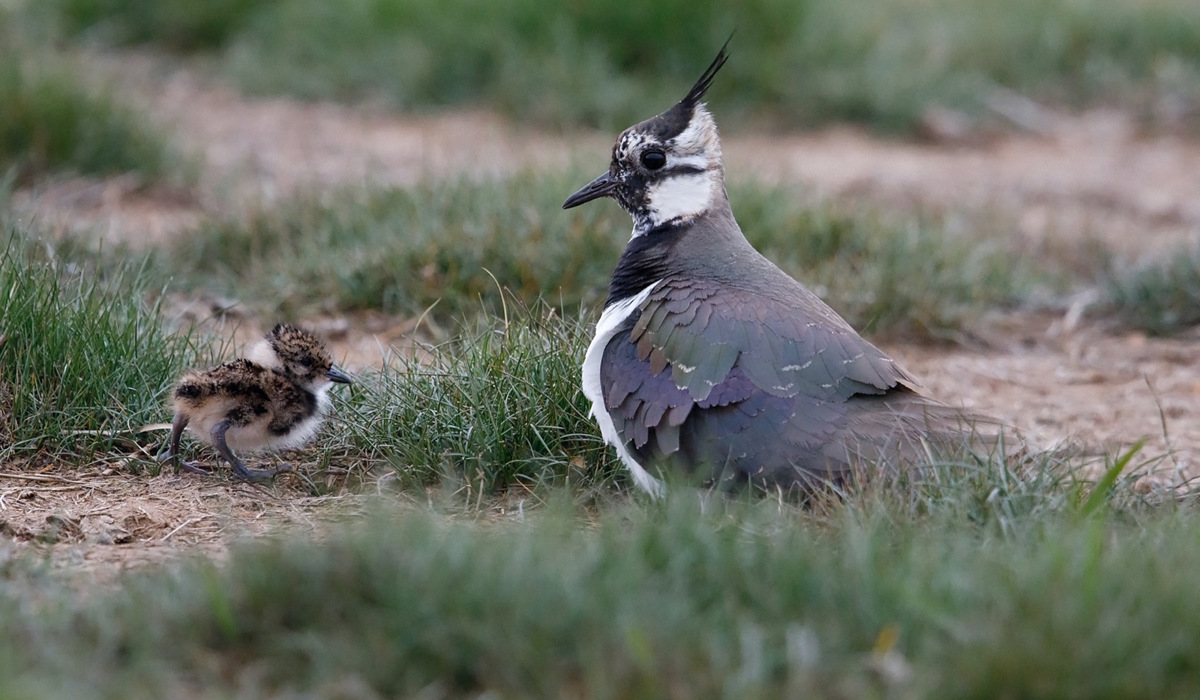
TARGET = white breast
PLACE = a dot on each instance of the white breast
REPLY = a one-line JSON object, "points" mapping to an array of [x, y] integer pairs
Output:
{"points": [[610, 320]]}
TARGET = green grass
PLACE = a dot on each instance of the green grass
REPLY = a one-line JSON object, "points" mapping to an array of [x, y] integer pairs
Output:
{"points": [[986, 582], [1162, 296], [596, 62], [178, 25], [452, 246], [52, 121], [494, 409], [84, 361], [403, 250]]}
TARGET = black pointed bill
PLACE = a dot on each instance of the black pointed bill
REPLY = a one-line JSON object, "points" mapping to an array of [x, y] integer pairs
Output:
{"points": [[336, 375], [600, 187]]}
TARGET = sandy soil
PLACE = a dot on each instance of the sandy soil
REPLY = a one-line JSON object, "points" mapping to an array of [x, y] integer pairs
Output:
{"points": [[1093, 175], [96, 521]]}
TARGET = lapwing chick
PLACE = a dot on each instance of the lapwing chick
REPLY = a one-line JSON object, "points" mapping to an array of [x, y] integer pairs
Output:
{"points": [[274, 400], [708, 359]]}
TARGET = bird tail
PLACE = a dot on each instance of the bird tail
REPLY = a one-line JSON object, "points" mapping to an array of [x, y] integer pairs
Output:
{"points": [[911, 435]]}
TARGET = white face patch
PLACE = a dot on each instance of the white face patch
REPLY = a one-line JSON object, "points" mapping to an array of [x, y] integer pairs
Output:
{"points": [[681, 196], [681, 189]]}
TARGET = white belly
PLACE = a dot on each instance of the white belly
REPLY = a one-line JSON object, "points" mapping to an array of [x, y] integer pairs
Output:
{"points": [[255, 436], [606, 328]]}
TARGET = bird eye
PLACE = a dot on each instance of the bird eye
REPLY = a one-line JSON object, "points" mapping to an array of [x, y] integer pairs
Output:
{"points": [[654, 159]]}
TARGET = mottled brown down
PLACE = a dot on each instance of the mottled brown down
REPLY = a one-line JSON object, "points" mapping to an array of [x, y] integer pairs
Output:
{"points": [[277, 400]]}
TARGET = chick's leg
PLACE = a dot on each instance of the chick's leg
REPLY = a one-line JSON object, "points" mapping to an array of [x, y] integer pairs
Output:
{"points": [[240, 470], [171, 453]]}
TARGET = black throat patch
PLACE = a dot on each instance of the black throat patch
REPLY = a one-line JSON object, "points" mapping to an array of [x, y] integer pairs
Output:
{"points": [[644, 262]]}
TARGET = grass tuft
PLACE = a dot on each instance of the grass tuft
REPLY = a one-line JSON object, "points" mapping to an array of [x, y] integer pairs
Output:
{"points": [[495, 409], [83, 359], [1161, 297]]}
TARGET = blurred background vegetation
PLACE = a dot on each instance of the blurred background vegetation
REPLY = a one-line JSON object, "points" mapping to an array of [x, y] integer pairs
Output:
{"points": [[594, 62]]}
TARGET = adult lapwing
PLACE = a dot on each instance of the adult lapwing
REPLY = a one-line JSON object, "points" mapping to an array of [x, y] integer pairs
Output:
{"points": [[709, 359]]}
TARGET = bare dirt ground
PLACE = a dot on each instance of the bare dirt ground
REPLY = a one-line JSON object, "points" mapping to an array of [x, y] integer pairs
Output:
{"points": [[1093, 175], [97, 521]]}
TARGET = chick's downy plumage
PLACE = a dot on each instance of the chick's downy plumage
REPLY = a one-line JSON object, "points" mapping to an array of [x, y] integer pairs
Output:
{"points": [[275, 399]]}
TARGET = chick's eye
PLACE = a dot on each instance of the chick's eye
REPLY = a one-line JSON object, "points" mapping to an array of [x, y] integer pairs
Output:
{"points": [[653, 160]]}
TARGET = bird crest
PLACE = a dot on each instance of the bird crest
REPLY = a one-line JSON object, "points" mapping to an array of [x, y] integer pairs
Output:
{"points": [[666, 169]]}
